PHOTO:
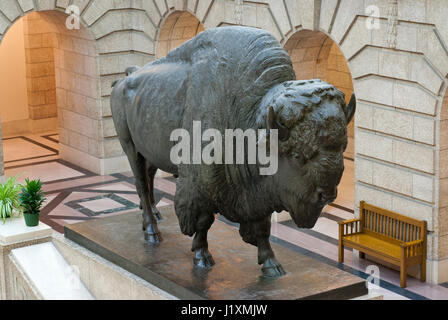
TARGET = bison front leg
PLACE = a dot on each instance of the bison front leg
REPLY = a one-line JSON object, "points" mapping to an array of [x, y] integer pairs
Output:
{"points": [[195, 218], [257, 233]]}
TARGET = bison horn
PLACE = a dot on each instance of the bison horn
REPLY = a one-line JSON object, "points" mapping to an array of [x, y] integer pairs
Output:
{"points": [[283, 132], [351, 108]]}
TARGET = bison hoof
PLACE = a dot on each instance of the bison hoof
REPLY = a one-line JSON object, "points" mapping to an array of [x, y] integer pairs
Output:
{"points": [[153, 238], [152, 234], [272, 269], [203, 259]]}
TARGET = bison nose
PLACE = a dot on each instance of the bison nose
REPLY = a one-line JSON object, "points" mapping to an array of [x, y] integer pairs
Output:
{"points": [[326, 196]]}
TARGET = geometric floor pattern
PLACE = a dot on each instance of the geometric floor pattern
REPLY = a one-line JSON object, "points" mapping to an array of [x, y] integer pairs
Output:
{"points": [[75, 194]]}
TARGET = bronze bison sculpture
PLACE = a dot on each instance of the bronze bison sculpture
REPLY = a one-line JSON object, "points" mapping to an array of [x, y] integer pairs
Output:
{"points": [[233, 78]]}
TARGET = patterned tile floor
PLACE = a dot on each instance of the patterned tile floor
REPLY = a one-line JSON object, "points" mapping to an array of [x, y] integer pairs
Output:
{"points": [[75, 194]]}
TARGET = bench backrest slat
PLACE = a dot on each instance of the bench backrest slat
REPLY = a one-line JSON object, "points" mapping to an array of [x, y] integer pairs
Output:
{"points": [[390, 224]]}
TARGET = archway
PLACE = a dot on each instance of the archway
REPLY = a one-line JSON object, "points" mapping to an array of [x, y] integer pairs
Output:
{"points": [[315, 55], [52, 113], [179, 27]]}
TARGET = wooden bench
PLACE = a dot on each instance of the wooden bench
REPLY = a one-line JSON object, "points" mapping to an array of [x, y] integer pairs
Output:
{"points": [[386, 235]]}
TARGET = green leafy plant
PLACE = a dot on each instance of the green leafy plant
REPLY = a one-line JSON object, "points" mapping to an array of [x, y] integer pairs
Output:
{"points": [[32, 197], [9, 199]]}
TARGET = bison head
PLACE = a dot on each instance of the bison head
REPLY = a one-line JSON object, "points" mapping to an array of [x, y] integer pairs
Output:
{"points": [[311, 118]]}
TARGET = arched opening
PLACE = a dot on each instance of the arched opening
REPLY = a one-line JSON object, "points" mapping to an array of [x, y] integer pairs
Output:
{"points": [[315, 55], [179, 27], [49, 95]]}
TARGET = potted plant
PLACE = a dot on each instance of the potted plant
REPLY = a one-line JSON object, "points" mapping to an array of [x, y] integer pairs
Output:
{"points": [[31, 200], [9, 199]]}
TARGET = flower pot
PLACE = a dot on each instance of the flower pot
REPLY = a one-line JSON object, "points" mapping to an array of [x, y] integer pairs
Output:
{"points": [[31, 220]]}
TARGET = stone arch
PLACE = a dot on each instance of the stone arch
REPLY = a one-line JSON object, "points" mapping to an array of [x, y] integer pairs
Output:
{"points": [[177, 28], [62, 82]]}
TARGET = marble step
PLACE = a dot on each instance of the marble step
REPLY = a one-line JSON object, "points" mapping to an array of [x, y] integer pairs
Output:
{"points": [[49, 273]]}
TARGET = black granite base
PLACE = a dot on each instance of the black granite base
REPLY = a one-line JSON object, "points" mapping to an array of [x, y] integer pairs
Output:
{"points": [[235, 276]]}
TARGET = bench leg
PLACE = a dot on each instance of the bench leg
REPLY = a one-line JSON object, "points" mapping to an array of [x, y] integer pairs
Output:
{"points": [[423, 271], [403, 274], [341, 253], [362, 255]]}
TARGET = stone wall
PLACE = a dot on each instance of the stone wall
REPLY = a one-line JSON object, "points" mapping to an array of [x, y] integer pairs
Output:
{"points": [[399, 72], [39, 52]]}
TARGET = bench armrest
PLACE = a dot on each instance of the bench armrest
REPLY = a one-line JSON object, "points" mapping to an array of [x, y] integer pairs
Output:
{"points": [[348, 227], [348, 221], [412, 249]]}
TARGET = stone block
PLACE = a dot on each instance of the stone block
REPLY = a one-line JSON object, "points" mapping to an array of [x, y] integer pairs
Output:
{"points": [[357, 38], [373, 196], [412, 97], [442, 221], [112, 148], [414, 156], [10, 9], [375, 89], [424, 130], [365, 62], [423, 187], [413, 209], [429, 42], [280, 15], [42, 69], [38, 55], [425, 75], [43, 5], [442, 247], [364, 115], [407, 37], [62, 3], [392, 179], [202, 8], [412, 11], [364, 170], [393, 122], [152, 12], [36, 98], [26, 5], [394, 64], [96, 9], [373, 145], [4, 24]]}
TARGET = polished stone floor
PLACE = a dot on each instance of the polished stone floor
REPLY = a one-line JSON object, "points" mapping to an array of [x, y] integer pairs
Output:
{"points": [[75, 195]]}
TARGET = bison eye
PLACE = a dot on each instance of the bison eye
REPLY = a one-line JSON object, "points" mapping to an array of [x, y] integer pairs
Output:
{"points": [[300, 159]]}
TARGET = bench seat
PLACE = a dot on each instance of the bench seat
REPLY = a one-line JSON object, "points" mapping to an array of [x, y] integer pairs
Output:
{"points": [[366, 242]]}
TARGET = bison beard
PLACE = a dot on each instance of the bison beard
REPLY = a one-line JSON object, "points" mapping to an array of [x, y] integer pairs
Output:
{"points": [[232, 78]]}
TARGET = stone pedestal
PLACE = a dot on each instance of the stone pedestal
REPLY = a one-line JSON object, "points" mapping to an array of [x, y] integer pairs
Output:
{"points": [[15, 234], [235, 276]]}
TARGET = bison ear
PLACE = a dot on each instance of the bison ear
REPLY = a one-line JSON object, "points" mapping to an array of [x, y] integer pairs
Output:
{"points": [[131, 70], [351, 108], [283, 132]]}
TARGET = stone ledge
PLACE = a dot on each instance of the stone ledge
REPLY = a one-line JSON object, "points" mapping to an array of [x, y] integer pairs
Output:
{"points": [[15, 230]]}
